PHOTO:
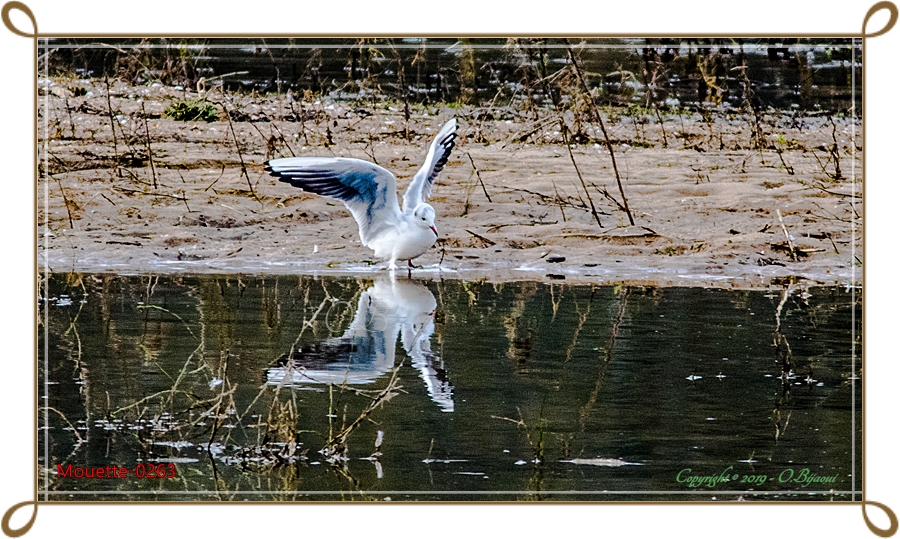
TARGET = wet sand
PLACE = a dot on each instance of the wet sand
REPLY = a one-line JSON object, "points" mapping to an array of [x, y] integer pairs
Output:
{"points": [[704, 200]]}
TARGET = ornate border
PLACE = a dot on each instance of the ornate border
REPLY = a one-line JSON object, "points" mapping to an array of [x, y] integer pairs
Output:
{"points": [[35, 35]]}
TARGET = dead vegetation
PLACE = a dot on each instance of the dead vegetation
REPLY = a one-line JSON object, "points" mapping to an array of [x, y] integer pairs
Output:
{"points": [[117, 160], [182, 422]]}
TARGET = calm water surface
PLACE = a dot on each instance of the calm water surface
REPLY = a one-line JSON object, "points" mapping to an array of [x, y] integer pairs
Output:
{"points": [[297, 387], [808, 74]]}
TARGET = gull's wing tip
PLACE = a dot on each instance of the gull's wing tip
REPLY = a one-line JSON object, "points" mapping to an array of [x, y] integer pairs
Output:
{"points": [[451, 125]]}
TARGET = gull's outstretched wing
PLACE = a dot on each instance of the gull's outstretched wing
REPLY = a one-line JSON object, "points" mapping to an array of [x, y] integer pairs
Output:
{"points": [[415, 335], [368, 190], [420, 188]]}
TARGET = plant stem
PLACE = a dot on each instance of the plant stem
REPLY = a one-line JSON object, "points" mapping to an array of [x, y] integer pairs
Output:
{"points": [[599, 119], [787, 236], [112, 126], [240, 154], [563, 129], [478, 174], [149, 151]]}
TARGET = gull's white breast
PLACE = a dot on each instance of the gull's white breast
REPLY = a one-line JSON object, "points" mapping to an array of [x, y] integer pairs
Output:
{"points": [[404, 242]]}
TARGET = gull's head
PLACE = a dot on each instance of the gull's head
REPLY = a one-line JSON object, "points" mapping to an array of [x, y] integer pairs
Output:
{"points": [[423, 216]]}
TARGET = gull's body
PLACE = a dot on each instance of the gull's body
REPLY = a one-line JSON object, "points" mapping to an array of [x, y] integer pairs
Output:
{"points": [[370, 193]]}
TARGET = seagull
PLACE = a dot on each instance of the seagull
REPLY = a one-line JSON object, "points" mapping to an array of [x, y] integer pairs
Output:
{"points": [[370, 193]]}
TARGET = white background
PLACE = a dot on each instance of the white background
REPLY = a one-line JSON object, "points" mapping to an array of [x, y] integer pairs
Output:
{"points": [[574, 17]]}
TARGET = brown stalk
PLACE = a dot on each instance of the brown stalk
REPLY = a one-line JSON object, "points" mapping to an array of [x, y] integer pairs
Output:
{"points": [[559, 201], [599, 120], [563, 130], [787, 236], [834, 150], [217, 179], [136, 192], [112, 126], [240, 153], [66, 202], [71, 121], [478, 174], [149, 151], [482, 238]]}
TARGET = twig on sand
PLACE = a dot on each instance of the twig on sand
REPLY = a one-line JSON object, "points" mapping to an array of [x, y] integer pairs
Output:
{"points": [[298, 117], [590, 100], [136, 192], [217, 179], [107, 199], [184, 199], [559, 201], [828, 235], [482, 238], [563, 129], [522, 136], [605, 193], [112, 126], [835, 154], [789, 168], [496, 228], [479, 136], [132, 174], [787, 236], [478, 174], [548, 198], [818, 185], [284, 140], [66, 201], [149, 151], [238, 146]]}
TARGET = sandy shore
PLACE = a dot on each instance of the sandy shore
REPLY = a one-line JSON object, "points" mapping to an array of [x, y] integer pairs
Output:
{"points": [[705, 202]]}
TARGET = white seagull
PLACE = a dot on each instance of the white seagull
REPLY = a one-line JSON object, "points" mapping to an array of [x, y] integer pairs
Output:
{"points": [[370, 193]]}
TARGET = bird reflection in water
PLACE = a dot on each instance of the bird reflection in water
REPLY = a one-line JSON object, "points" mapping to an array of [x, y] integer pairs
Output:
{"points": [[366, 351]]}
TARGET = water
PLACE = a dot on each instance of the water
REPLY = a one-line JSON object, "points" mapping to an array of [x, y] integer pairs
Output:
{"points": [[240, 388], [806, 74]]}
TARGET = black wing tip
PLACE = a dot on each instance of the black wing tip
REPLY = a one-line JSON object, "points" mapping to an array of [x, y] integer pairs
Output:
{"points": [[325, 186], [282, 177], [276, 173], [449, 141], [448, 144]]}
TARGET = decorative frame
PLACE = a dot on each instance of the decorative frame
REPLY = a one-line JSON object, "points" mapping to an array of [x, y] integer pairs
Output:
{"points": [[35, 35]]}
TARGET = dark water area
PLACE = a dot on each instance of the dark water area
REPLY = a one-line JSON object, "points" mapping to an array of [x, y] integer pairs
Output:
{"points": [[295, 387], [809, 75]]}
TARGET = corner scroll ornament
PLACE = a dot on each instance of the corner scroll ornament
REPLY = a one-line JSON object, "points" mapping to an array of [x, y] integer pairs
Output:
{"points": [[9, 7], [892, 20], [10, 532], [33, 34]]}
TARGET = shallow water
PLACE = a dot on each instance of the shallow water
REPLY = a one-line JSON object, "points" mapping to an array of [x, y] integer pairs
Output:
{"points": [[245, 387], [808, 73]]}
